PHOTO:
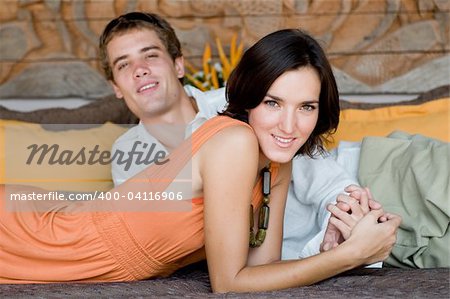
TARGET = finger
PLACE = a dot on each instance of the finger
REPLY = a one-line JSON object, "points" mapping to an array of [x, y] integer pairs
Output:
{"points": [[342, 215], [342, 227], [394, 218], [331, 233], [382, 219], [355, 207], [374, 205], [343, 206], [369, 193], [363, 198], [345, 198], [375, 214], [325, 246], [390, 227], [361, 194], [352, 187]]}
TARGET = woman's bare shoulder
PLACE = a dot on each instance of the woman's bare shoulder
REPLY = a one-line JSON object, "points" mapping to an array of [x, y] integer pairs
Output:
{"points": [[232, 144], [233, 138]]}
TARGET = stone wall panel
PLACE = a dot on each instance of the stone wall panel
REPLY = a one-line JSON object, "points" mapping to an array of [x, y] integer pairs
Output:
{"points": [[371, 43]]}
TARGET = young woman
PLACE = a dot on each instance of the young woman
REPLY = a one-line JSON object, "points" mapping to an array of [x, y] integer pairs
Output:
{"points": [[283, 101]]}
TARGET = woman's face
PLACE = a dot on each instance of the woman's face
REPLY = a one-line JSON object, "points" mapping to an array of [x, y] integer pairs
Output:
{"points": [[286, 117]]}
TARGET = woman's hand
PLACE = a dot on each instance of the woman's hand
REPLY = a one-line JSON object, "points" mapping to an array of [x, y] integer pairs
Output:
{"points": [[349, 208], [371, 240]]}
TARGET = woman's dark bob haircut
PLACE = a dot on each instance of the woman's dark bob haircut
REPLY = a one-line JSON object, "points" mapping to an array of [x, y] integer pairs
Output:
{"points": [[268, 59]]}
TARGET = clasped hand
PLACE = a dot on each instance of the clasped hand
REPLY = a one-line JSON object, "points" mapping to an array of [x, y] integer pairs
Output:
{"points": [[356, 216]]}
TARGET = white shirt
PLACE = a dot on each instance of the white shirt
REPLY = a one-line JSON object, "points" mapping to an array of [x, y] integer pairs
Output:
{"points": [[315, 183], [208, 103]]}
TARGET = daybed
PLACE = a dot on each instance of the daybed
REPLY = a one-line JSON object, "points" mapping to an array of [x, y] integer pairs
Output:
{"points": [[358, 121]]}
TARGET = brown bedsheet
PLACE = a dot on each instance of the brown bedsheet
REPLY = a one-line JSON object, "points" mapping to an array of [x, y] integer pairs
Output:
{"points": [[193, 282]]}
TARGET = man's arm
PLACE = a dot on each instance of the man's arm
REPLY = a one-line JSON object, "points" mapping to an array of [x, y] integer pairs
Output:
{"points": [[315, 183]]}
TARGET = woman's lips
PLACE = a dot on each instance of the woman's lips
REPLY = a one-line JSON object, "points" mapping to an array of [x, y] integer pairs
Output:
{"points": [[283, 141]]}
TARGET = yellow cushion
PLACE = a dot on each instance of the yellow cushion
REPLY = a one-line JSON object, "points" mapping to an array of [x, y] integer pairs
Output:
{"points": [[430, 119], [56, 173]]}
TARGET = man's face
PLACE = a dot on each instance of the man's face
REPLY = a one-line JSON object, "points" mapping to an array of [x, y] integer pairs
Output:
{"points": [[144, 73]]}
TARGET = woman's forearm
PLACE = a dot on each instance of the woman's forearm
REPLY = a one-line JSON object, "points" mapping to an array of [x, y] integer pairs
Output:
{"points": [[292, 273], [369, 242]]}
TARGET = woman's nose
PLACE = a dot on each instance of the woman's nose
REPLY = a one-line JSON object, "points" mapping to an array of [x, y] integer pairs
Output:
{"points": [[287, 122]]}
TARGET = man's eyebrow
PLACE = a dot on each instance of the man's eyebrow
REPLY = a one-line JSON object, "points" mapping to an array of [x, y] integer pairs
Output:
{"points": [[143, 50], [119, 59]]}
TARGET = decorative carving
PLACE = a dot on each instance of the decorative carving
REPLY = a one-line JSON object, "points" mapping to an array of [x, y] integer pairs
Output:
{"points": [[369, 42]]}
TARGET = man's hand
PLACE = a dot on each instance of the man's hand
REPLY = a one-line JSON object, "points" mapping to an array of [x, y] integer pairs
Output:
{"points": [[344, 216], [332, 238]]}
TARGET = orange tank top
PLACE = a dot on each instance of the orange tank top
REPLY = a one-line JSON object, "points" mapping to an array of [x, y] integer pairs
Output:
{"points": [[156, 242], [116, 245]]}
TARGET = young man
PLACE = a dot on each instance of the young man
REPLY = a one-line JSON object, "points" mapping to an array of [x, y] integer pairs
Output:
{"points": [[142, 58]]}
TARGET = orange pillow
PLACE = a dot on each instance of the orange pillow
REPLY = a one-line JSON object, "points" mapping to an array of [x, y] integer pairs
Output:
{"points": [[16, 144], [430, 119]]}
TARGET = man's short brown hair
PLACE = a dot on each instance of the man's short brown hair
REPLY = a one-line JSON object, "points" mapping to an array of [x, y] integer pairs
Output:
{"points": [[138, 20]]}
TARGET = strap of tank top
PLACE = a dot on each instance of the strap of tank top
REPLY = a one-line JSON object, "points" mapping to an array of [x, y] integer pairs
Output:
{"points": [[163, 174], [210, 128]]}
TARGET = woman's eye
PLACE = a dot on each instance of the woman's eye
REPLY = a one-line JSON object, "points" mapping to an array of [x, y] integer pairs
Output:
{"points": [[271, 103], [308, 107]]}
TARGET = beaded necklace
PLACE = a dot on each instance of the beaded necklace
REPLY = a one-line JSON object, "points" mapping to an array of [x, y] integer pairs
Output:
{"points": [[263, 219]]}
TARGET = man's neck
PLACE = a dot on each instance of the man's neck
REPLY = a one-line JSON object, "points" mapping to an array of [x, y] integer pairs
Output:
{"points": [[170, 128], [181, 114]]}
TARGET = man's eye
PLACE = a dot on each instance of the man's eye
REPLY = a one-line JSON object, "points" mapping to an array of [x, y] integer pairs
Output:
{"points": [[122, 65]]}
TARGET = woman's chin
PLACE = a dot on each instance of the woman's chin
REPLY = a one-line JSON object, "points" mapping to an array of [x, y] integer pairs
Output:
{"points": [[281, 158]]}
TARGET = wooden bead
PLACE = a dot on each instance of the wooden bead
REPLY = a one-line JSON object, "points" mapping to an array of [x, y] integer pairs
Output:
{"points": [[260, 236], [252, 241], [266, 181], [264, 214]]}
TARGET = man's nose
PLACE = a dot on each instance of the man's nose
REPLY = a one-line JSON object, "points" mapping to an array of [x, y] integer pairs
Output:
{"points": [[141, 70]]}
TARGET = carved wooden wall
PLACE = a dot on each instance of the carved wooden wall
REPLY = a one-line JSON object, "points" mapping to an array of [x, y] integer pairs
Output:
{"points": [[48, 48]]}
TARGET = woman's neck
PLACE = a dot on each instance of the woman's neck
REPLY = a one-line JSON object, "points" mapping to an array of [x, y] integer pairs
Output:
{"points": [[263, 161]]}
